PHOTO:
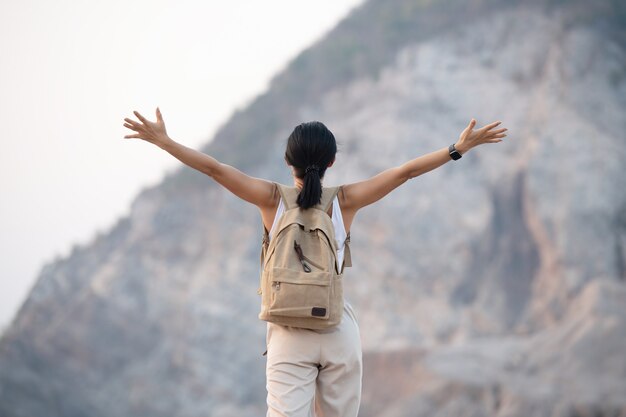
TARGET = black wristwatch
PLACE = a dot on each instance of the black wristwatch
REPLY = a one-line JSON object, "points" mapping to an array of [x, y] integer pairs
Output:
{"points": [[454, 154]]}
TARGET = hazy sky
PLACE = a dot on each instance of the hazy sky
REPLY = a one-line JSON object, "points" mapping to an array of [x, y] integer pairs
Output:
{"points": [[72, 70]]}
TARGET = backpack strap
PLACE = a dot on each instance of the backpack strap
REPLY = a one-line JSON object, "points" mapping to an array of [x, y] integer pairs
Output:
{"points": [[266, 233], [347, 255], [290, 197], [328, 194]]}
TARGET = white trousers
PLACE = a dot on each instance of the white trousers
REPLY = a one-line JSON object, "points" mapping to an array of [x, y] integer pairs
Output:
{"points": [[314, 373]]}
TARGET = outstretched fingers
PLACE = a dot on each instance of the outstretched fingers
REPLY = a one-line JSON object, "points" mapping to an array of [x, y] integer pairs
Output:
{"points": [[131, 124], [492, 136], [140, 117], [497, 133], [490, 126], [136, 126]]}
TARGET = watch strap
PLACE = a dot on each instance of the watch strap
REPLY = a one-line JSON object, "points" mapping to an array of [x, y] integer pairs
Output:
{"points": [[454, 153]]}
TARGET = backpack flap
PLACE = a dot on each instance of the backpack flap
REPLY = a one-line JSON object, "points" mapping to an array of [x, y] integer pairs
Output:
{"points": [[264, 246], [318, 225]]}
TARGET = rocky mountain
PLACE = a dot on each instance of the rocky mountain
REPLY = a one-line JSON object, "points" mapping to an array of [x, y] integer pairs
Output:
{"points": [[494, 285]]}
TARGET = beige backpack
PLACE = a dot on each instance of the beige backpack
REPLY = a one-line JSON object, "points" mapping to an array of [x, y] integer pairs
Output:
{"points": [[301, 283]]}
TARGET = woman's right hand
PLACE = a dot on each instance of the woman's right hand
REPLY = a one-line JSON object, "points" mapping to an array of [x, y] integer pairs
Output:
{"points": [[153, 132], [470, 138]]}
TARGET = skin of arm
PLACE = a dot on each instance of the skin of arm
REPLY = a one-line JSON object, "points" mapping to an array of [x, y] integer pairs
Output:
{"points": [[260, 192], [263, 193], [253, 190], [363, 193]]}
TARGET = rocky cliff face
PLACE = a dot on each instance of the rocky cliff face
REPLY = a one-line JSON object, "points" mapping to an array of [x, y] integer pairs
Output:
{"points": [[494, 285]]}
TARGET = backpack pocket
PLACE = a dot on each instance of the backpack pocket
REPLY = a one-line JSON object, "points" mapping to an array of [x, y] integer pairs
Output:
{"points": [[295, 295]]}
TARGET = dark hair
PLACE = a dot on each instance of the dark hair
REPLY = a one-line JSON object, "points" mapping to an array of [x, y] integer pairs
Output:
{"points": [[310, 148]]}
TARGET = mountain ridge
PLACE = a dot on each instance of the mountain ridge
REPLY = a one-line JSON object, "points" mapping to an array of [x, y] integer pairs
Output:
{"points": [[165, 303]]}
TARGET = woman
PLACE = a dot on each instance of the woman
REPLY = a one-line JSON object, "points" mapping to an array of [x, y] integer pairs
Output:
{"points": [[310, 370]]}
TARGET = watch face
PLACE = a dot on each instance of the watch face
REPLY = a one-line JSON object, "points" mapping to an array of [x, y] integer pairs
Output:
{"points": [[454, 154]]}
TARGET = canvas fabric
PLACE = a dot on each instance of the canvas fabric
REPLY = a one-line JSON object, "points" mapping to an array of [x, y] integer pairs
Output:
{"points": [[301, 284]]}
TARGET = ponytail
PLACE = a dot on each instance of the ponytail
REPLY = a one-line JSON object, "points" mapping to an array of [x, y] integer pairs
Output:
{"points": [[311, 193], [311, 148]]}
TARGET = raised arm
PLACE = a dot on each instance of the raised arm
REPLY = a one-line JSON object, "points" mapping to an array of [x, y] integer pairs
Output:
{"points": [[257, 191], [360, 194]]}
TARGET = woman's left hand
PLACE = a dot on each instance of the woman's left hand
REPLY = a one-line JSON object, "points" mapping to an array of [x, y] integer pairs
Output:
{"points": [[470, 138]]}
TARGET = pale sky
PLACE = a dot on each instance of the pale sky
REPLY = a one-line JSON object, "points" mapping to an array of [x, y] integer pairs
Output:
{"points": [[72, 70]]}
